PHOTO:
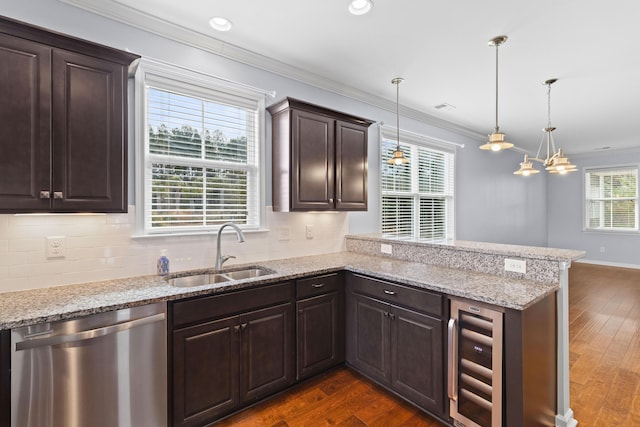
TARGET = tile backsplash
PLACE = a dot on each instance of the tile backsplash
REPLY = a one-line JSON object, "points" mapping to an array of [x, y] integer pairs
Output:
{"points": [[100, 246]]}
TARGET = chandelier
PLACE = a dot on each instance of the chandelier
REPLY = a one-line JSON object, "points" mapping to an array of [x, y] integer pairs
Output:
{"points": [[555, 162]]}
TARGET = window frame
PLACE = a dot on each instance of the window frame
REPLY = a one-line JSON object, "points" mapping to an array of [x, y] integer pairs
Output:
{"points": [[412, 142], [172, 78], [586, 199]]}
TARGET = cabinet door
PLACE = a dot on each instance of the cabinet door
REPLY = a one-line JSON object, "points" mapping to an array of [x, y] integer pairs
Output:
{"points": [[89, 128], [351, 166], [205, 371], [319, 334], [267, 352], [416, 358], [312, 161], [368, 337], [24, 134]]}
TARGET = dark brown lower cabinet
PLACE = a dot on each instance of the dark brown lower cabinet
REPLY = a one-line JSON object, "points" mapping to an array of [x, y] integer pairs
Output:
{"points": [[319, 324], [399, 347], [221, 365]]}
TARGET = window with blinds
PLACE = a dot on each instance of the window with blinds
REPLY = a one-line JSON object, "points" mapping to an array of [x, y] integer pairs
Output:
{"points": [[201, 157], [417, 198], [611, 199]]}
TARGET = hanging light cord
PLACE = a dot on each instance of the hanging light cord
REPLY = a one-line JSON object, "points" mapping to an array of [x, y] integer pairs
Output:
{"points": [[398, 112], [497, 127]]}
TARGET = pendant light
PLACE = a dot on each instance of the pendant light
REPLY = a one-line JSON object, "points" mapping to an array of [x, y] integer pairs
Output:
{"points": [[496, 139], [398, 157], [555, 162]]}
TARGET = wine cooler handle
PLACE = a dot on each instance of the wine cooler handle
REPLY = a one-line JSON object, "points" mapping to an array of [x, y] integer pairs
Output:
{"points": [[452, 368]]}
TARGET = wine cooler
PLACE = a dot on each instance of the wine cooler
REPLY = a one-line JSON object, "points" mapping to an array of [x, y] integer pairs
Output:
{"points": [[475, 364]]}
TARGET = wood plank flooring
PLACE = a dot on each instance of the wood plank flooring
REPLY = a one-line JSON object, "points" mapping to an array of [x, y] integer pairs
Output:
{"points": [[604, 345], [604, 329], [339, 397]]}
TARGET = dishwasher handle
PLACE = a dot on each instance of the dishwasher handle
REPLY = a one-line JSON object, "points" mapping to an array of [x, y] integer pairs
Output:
{"points": [[452, 368], [88, 334]]}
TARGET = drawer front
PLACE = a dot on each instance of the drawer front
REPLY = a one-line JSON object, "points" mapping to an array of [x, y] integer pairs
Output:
{"points": [[205, 308], [317, 285], [416, 299]]}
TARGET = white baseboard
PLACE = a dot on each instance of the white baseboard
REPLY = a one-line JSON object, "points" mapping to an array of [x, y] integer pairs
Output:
{"points": [[610, 264]]}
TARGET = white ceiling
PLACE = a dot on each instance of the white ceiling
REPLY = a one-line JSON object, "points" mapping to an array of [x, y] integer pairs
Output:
{"points": [[440, 49]]}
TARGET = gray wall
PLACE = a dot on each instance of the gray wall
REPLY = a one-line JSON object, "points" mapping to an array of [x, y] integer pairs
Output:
{"points": [[566, 218], [491, 205]]}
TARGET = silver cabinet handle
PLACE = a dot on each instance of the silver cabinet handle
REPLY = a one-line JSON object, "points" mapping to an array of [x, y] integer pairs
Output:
{"points": [[45, 194], [88, 334], [318, 285], [388, 292], [452, 366], [58, 195]]}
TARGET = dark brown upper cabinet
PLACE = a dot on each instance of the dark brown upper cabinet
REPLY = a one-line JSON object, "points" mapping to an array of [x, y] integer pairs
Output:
{"points": [[63, 139], [319, 158]]}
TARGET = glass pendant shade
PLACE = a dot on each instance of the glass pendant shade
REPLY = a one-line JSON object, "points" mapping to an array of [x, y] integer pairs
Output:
{"points": [[496, 142], [526, 168], [398, 158]]}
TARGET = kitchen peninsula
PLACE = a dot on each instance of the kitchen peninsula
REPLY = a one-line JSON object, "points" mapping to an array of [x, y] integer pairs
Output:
{"points": [[469, 270]]}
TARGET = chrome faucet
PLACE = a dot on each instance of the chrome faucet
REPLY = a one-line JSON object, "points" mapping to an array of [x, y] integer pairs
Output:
{"points": [[220, 259]]}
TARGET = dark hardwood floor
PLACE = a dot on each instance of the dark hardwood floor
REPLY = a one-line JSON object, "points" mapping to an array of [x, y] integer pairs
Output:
{"points": [[339, 397], [604, 328], [604, 345]]}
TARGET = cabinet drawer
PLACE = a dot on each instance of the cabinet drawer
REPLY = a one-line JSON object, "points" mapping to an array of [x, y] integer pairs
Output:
{"points": [[317, 285], [204, 308], [416, 299]]}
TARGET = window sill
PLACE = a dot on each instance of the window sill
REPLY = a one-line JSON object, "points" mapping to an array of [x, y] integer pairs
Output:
{"points": [[194, 233]]}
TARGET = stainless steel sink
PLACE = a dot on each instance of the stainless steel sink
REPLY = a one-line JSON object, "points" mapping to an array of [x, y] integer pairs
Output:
{"points": [[248, 273], [219, 277]]}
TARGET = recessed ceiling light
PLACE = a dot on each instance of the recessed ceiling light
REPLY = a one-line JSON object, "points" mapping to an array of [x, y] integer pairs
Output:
{"points": [[360, 7], [220, 23]]}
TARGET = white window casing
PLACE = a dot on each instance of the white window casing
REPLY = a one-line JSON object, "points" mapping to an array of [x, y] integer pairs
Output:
{"points": [[611, 199], [417, 199], [200, 152]]}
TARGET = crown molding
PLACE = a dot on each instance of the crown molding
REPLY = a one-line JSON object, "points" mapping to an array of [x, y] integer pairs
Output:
{"points": [[136, 18]]}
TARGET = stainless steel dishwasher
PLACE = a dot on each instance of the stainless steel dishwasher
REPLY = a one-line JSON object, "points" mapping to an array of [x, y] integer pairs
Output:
{"points": [[107, 369]]}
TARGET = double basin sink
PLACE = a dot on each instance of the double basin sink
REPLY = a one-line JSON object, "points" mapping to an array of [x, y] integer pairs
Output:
{"points": [[219, 277]]}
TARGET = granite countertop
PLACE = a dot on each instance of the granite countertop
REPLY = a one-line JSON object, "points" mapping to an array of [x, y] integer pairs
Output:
{"points": [[25, 308]]}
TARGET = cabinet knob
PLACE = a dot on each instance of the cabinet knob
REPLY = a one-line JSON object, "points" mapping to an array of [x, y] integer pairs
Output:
{"points": [[331, 200], [300, 311], [236, 328], [243, 326], [317, 285], [386, 314], [45, 195], [388, 292], [58, 195]]}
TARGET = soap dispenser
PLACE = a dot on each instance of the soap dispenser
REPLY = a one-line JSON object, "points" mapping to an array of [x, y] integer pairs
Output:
{"points": [[163, 263]]}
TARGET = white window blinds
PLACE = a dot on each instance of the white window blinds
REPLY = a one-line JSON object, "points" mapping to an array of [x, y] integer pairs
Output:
{"points": [[202, 156], [611, 199], [418, 197]]}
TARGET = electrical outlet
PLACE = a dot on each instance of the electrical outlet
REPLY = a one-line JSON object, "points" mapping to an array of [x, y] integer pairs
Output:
{"points": [[386, 249], [56, 247], [515, 265], [310, 231], [284, 233]]}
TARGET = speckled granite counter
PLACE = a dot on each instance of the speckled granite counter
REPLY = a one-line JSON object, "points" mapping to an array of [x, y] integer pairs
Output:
{"points": [[64, 302]]}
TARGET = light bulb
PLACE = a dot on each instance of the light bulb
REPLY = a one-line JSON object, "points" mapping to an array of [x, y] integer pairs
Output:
{"points": [[495, 147]]}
